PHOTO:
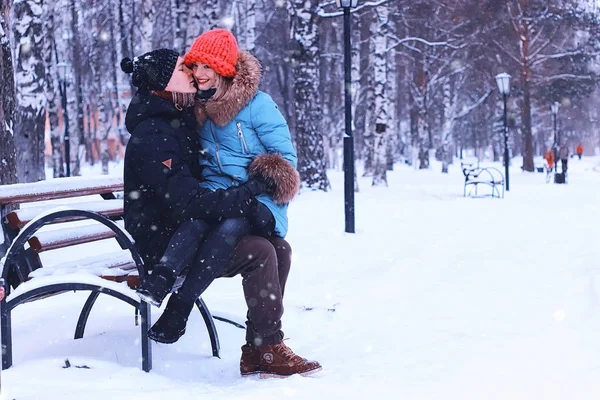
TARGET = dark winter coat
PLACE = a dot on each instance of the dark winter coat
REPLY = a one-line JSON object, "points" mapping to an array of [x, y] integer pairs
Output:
{"points": [[162, 177]]}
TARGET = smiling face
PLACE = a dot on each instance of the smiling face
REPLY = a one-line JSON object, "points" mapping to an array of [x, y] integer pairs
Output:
{"points": [[206, 77], [182, 80]]}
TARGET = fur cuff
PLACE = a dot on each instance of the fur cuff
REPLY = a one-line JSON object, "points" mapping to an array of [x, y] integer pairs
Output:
{"points": [[274, 168]]}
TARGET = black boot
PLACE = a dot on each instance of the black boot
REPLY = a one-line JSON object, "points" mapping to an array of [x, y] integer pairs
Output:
{"points": [[157, 285], [171, 324]]}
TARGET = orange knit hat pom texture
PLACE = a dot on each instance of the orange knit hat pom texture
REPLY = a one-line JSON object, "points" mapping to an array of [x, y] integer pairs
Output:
{"points": [[216, 48]]}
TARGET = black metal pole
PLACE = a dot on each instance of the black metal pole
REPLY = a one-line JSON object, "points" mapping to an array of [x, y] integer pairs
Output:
{"points": [[67, 138], [556, 141], [506, 144], [348, 139]]}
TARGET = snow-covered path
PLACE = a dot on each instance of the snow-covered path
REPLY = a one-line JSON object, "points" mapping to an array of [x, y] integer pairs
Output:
{"points": [[435, 297]]}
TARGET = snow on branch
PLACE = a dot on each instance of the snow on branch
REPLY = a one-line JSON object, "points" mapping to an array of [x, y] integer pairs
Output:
{"points": [[418, 39], [467, 110], [547, 79], [323, 14]]}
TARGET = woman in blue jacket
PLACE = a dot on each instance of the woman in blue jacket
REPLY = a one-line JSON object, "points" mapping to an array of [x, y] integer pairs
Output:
{"points": [[243, 135], [242, 130]]}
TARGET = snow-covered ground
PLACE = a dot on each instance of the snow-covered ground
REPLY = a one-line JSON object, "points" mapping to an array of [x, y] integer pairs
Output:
{"points": [[436, 297]]}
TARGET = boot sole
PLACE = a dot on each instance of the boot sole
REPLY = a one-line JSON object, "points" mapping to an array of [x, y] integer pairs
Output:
{"points": [[149, 299], [160, 340], [269, 375], [249, 374]]}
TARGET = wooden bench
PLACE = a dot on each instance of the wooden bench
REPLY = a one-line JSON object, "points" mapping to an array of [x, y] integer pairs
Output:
{"points": [[488, 176], [91, 212]]}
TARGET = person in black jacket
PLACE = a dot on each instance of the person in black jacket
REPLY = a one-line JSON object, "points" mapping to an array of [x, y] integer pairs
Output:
{"points": [[179, 226], [166, 211]]}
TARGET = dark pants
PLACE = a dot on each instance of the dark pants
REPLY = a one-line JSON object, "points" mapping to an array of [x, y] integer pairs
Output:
{"points": [[264, 265], [183, 246], [226, 252], [210, 260], [563, 164]]}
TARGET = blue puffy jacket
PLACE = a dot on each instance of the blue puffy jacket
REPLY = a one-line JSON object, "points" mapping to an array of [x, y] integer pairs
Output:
{"points": [[239, 126]]}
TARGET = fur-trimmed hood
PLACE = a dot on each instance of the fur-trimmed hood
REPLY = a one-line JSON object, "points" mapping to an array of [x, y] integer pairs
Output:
{"points": [[241, 89]]}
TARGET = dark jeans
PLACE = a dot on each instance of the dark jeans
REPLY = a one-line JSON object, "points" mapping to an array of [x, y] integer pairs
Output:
{"points": [[264, 265], [210, 260], [183, 246], [227, 251]]}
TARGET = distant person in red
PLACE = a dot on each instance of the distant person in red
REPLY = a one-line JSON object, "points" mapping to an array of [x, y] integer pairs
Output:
{"points": [[549, 157], [579, 150]]}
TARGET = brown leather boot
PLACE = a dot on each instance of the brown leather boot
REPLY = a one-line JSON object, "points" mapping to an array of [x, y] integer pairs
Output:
{"points": [[279, 361], [250, 361]]}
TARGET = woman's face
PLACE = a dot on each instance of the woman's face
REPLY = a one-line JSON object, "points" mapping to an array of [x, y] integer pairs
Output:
{"points": [[206, 78], [182, 80]]}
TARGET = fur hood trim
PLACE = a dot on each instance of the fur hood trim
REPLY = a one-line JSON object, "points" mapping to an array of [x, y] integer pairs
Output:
{"points": [[276, 170], [237, 93]]}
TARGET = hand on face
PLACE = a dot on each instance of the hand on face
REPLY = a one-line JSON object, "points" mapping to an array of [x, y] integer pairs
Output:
{"points": [[206, 77], [182, 80]]}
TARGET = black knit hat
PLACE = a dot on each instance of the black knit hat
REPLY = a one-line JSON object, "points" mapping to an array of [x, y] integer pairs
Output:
{"points": [[153, 70]]}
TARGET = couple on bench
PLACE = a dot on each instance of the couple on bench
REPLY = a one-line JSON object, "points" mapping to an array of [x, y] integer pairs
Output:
{"points": [[209, 170]]}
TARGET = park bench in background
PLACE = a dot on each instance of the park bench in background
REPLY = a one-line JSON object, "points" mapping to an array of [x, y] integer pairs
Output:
{"points": [[90, 211], [488, 176]]}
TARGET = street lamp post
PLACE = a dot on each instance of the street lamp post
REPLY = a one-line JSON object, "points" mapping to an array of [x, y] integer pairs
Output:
{"points": [[554, 108], [346, 5], [503, 81], [62, 74]]}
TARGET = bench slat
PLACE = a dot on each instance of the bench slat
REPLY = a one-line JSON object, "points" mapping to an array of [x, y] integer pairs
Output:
{"points": [[59, 188], [118, 262], [57, 239], [19, 218]]}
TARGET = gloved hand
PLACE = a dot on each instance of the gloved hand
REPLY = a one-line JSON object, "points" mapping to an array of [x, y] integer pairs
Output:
{"points": [[256, 186], [262, 221]]}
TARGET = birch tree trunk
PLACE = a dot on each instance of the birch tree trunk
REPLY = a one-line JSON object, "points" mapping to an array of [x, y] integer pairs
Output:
{"points": [[30, 115], [368, 142], [180, 9], [245, 22], [78, 138], [8, 155], [148, 17], [309, 136], [449, 105], [498, 131], [102, 127], [58, 169], [381, 133]]}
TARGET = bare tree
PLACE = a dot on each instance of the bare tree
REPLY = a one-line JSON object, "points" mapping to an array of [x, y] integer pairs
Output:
{"points": [[51, 100], [8, 155], [30, 73], [381, 133], [309, 136]]}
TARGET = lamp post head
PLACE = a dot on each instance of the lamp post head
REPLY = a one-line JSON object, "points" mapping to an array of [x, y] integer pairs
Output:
{"points": [[346, 3], [62, 68], [554, 107], [503, 81]]}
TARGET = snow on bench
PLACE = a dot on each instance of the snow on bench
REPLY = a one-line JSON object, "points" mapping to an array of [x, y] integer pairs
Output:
{"points": [[19, 218], [59, 188], [56, 239]]}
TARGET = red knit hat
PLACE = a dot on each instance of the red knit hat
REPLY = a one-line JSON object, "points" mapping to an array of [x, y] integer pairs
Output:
{"points": [[216, 48]]}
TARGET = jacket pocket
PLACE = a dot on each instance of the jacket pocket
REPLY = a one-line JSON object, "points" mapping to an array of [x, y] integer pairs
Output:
{"points": [[241, 137]]}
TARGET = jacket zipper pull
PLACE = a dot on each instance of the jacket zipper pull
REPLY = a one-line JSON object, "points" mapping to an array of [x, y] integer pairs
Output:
{"points": [[241, 136]]}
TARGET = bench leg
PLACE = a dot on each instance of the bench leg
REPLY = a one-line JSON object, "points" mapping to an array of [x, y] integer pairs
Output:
{"points": [[210, 326], [146, 343], [6, 332], [85, 313]]}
